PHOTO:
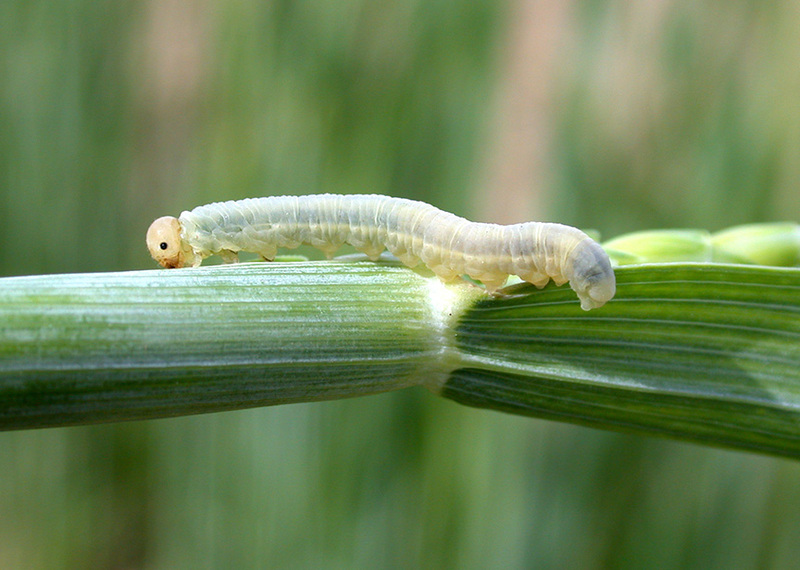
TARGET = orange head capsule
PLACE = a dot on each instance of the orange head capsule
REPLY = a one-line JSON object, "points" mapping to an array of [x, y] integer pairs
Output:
{"points": [[165, 243]]}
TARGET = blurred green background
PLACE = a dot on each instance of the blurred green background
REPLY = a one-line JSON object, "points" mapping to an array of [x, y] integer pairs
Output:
{"points": [[616, 116]]}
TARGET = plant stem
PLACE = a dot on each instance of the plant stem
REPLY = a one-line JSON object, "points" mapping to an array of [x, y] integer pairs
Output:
{"points": [[87, 348]]}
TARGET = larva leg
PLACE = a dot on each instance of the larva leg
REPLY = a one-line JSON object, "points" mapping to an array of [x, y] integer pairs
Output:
{"points": [[268, 254], [538, 279], [229, 256], [328, 250], [408, 259], [492, 284], [444, 273], [372, 251]]}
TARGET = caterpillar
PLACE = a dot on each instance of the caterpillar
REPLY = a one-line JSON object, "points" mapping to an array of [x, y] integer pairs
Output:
{"points": [[413, 231]]}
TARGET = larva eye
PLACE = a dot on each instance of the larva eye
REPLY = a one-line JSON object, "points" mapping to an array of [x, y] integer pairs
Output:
{"points": [[164, 242]]}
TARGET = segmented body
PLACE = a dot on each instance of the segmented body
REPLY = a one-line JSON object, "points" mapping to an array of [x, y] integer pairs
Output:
{"points": [[413, 231]]}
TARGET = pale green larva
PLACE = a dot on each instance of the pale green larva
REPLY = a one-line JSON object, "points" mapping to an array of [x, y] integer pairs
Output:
{"points": [[413, 231]]}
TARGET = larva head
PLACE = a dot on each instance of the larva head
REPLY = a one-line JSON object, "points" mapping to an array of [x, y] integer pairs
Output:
{"points": [[165, 243], [592, 275]]}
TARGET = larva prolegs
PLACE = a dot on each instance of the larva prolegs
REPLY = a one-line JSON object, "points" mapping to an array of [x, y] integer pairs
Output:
{"points": [[229, 256], [493, 285], [327, 249], [536, 278], [371, 250], [444, 273], [406, 257]]}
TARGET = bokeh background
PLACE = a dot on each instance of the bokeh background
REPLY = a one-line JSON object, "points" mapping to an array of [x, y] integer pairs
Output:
{"points": [[614, 115]]}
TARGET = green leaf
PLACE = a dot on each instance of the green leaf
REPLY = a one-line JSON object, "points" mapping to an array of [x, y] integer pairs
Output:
{"points": [[704, 352]]}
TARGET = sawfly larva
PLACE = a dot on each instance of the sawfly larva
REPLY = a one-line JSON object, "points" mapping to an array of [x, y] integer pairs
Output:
{"points": [[413, 231]]}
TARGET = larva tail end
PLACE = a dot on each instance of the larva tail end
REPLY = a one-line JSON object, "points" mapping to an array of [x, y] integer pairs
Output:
{"points": [[592, 276], [165, 243], [598, 294]]}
